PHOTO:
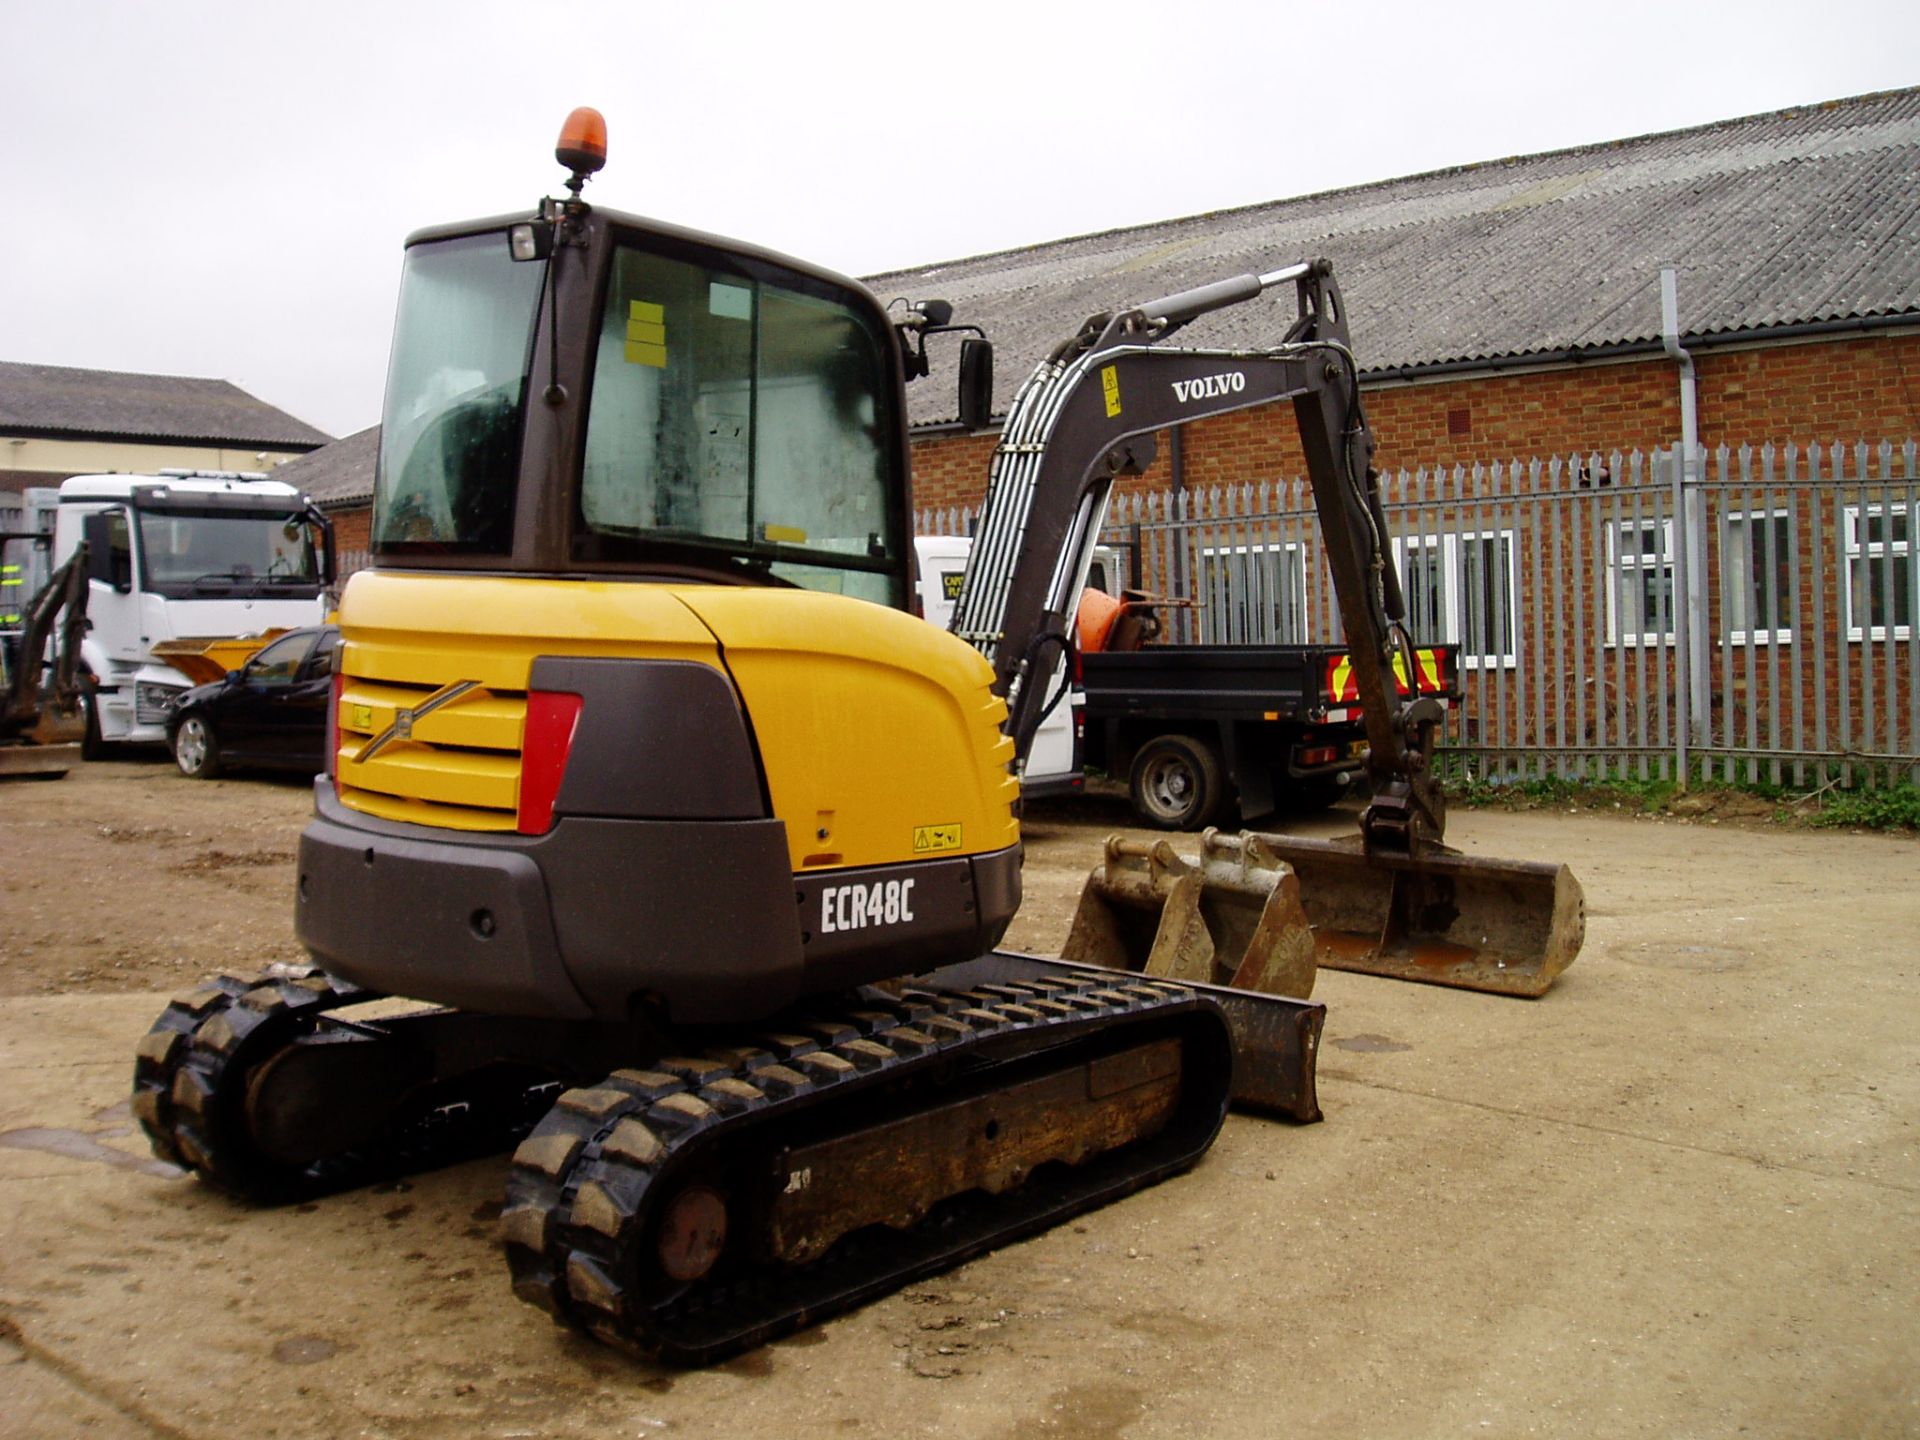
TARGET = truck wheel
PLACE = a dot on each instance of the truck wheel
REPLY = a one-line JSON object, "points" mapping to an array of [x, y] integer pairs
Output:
{"points": [[196, 750], [1176, 783]]}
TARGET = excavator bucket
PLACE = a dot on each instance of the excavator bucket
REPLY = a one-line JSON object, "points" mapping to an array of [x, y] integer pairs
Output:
{"points": [[1261, 912], [1233, 918], [1503, 926]]}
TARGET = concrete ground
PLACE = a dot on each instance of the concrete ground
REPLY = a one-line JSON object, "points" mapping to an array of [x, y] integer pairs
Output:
{"points": [[1678, 1196]]}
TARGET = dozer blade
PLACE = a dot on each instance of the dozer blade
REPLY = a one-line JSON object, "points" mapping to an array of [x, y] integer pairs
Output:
{"points": [[1276, 1038], [1507, 927]]}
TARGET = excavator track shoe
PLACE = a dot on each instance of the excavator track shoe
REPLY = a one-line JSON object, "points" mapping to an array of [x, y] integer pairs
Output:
{"points": [[737, 1195]]}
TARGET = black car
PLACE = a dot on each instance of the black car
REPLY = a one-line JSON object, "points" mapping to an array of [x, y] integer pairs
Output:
{"points": [[272, 711]]}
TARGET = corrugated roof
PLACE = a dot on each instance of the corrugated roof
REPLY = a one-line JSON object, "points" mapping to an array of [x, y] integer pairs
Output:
{"points": [[108, 404], [1798, 216], [337, 474]]}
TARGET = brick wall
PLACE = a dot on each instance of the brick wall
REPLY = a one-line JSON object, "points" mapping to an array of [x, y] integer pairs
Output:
{"points": [[352, 529], [950, 470], [1852, 389]]}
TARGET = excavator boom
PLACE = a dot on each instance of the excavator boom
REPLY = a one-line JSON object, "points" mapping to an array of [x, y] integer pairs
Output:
{"points": [[1398, 901]]}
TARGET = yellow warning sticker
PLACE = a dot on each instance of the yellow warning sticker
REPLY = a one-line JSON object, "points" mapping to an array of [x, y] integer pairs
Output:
{"points": [[930, 839], [360, 717], [1110, 387], [646, 334]]}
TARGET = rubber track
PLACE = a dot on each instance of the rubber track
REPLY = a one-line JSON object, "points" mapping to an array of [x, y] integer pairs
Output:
{"points": [[189, 1079], [577, 1224], [196, 1051]]}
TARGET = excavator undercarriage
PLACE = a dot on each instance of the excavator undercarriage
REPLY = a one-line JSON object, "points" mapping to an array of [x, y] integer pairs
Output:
{"points": [[693, 1201]]}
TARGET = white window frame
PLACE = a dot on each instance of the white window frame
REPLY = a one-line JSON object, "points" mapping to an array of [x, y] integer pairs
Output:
{"points": [[1889, 550], [1453, 591], [1293, 574], [1732, 583], [1446, 616], [1618, 566]]}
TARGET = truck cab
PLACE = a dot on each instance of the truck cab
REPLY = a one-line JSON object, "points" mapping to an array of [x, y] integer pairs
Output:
{"points": [[184, 555]]}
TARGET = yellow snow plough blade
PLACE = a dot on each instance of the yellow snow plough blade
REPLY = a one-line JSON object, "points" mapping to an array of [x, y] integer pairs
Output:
{"points": [[1262, 912]]}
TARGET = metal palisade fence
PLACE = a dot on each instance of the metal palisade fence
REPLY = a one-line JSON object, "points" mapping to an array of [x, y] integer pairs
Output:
{"points": [[1750, 617]]}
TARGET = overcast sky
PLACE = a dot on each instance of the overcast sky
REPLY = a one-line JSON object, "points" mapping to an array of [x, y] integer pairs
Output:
{"points": [[221, 189]]}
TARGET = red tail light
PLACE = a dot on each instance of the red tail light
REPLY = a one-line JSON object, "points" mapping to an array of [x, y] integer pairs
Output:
{"points": [[552, 718]]}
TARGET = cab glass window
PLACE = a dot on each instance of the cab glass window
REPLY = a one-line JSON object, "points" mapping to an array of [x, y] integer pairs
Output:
{"points": [[191, 553], [456, 384], [112, 558], [739, 420]]}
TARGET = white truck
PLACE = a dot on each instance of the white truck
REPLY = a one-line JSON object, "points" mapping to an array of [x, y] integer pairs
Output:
{"points": [[178, 556], [1053, 764]]}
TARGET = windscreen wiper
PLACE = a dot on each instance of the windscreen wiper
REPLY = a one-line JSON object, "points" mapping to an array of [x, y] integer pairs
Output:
{"points": [[230, 578]]}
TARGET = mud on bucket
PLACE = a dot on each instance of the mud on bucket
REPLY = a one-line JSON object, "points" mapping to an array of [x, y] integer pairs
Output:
{"points": [[1503, 926], [1234, 917]]}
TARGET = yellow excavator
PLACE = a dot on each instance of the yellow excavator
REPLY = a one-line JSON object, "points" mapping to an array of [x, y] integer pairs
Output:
{"points": [[689, 846]]}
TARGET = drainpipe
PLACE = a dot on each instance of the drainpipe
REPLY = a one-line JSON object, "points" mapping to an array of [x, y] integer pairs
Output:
{"points": [[1177, 464], [1690, 508]]}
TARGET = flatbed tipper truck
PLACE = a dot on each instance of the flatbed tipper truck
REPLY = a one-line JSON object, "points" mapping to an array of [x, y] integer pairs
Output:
{"points": [[1195, 729]]}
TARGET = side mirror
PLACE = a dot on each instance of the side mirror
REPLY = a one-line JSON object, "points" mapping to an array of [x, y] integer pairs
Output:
{"points": [[976, 383], [329, 562]]}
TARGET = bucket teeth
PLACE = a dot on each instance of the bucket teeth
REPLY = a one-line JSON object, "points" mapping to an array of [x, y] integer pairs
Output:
{"points": [[1233, 917]]}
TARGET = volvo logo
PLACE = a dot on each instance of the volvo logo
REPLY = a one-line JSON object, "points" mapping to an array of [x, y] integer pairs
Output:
{"points": [[1231, 382], [402, 726]]}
